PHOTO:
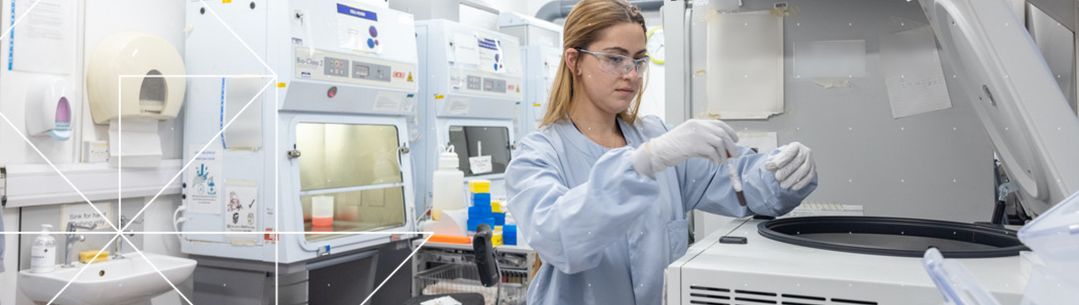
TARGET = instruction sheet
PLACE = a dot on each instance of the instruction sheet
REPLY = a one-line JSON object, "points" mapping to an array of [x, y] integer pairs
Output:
{"points": [[480, 164], [465, 49], [745, 65], [356, 29], [202, 177], [43, 41], [912, 72], [241, 210]]}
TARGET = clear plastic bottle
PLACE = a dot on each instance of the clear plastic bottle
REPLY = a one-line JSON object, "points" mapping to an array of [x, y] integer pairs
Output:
{"points": [[448, 185], [43, 253]]}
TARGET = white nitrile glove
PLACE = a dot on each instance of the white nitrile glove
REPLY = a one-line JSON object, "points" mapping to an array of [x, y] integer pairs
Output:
{"points": [[793, 166], [709, 139]]}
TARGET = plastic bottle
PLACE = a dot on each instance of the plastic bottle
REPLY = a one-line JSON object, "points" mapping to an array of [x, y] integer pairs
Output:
{"points": [[322, 211], [43, 253], [448, 191]]}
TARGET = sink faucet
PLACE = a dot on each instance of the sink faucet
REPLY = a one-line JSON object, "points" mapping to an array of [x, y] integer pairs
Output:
{"points": [[124, 220], [72, 238]]}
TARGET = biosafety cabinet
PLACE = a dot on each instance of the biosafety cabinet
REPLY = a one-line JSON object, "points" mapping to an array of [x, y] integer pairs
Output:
{"points": [[297, 134], [470, 86]]}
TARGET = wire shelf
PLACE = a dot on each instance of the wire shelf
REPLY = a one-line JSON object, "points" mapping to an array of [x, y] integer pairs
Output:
{"points": [[464, 278]]}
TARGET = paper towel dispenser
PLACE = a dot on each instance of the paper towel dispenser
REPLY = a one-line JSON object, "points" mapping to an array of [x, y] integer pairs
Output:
{"points": [[139, 78], [135, 75], [48, 108]]}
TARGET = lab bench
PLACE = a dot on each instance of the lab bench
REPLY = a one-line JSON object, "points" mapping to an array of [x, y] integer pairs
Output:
{"points": [[450, 268]]}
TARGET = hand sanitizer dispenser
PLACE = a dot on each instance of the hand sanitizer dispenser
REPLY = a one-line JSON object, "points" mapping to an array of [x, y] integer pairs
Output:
{"points": [[43, 252], [137, 77], [48, 109]]}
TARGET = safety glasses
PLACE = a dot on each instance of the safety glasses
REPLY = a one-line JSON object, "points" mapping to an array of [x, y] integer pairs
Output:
{"points": [[618, 64]]}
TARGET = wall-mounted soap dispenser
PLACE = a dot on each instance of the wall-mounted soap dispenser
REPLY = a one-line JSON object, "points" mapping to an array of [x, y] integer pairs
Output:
{"points": [[137, 77], [48, 108]]}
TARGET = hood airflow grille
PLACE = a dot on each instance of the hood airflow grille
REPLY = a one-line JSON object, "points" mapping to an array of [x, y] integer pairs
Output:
{"points": [[703, 295]]}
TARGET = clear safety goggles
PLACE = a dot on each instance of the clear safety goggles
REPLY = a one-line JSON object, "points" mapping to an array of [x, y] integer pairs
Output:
{"points": [[618, 64]]}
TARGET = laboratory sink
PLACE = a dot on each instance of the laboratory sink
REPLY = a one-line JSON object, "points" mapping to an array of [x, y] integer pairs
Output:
{"points": [[123, 281]]}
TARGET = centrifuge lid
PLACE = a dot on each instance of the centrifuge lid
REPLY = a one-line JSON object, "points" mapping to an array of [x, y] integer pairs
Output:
{"points": [[1002, 72], [907, 237]]}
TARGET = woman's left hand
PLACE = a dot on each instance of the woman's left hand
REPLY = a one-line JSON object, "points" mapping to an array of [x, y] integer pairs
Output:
{"points": [[793, 166]]}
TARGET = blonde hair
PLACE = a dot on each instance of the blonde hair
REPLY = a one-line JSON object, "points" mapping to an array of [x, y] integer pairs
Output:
{"points": [[583, 26]]}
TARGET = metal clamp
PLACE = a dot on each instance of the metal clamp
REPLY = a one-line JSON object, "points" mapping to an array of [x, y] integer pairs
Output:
{"points": [[293, 154], [1006, 189], [323, 251]]}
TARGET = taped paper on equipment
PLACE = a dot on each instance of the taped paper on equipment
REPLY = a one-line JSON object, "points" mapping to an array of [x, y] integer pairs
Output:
{"points": [[912, 72], [480, 165], [465, 49], [457, 106], [245, 133], [830, 59], [745, 65], [764, 142], [356, 29], [832, 83], [490, 54], [240, 211], [386, 102], [202, 177], [44, 41]]}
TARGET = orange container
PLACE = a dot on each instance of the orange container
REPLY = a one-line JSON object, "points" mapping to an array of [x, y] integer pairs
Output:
{"points": [[450, 239]]}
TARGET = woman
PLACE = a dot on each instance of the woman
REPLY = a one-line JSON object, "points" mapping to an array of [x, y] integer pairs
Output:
{"points": [[602, 195]]}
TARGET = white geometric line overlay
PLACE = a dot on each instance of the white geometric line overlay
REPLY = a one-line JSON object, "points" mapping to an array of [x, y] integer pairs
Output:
{"points": [[119, 231]]}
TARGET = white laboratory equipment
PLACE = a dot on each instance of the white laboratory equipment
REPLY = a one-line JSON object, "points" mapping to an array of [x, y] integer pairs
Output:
{"points": [[875, 260], [1051, 268], [470, 84], [541, 53], [297, 133], [1054, 239]]}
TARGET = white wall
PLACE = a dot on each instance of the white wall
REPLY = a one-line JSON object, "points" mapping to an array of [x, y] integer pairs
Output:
{"points": [[164, 18], [13, 150], [13, 91]]}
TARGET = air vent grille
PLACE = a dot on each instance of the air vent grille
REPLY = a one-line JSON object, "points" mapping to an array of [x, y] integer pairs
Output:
{"points": [[704, 295]]}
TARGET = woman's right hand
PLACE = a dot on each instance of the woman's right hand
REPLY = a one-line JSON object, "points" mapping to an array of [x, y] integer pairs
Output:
{"points": [[709, 139]]}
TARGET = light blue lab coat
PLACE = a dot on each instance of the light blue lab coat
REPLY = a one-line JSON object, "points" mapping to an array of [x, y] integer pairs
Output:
{"points": [[606, 233]]}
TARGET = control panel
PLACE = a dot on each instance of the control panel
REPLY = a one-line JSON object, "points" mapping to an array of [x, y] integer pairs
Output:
{"points": [[323, 65]]}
